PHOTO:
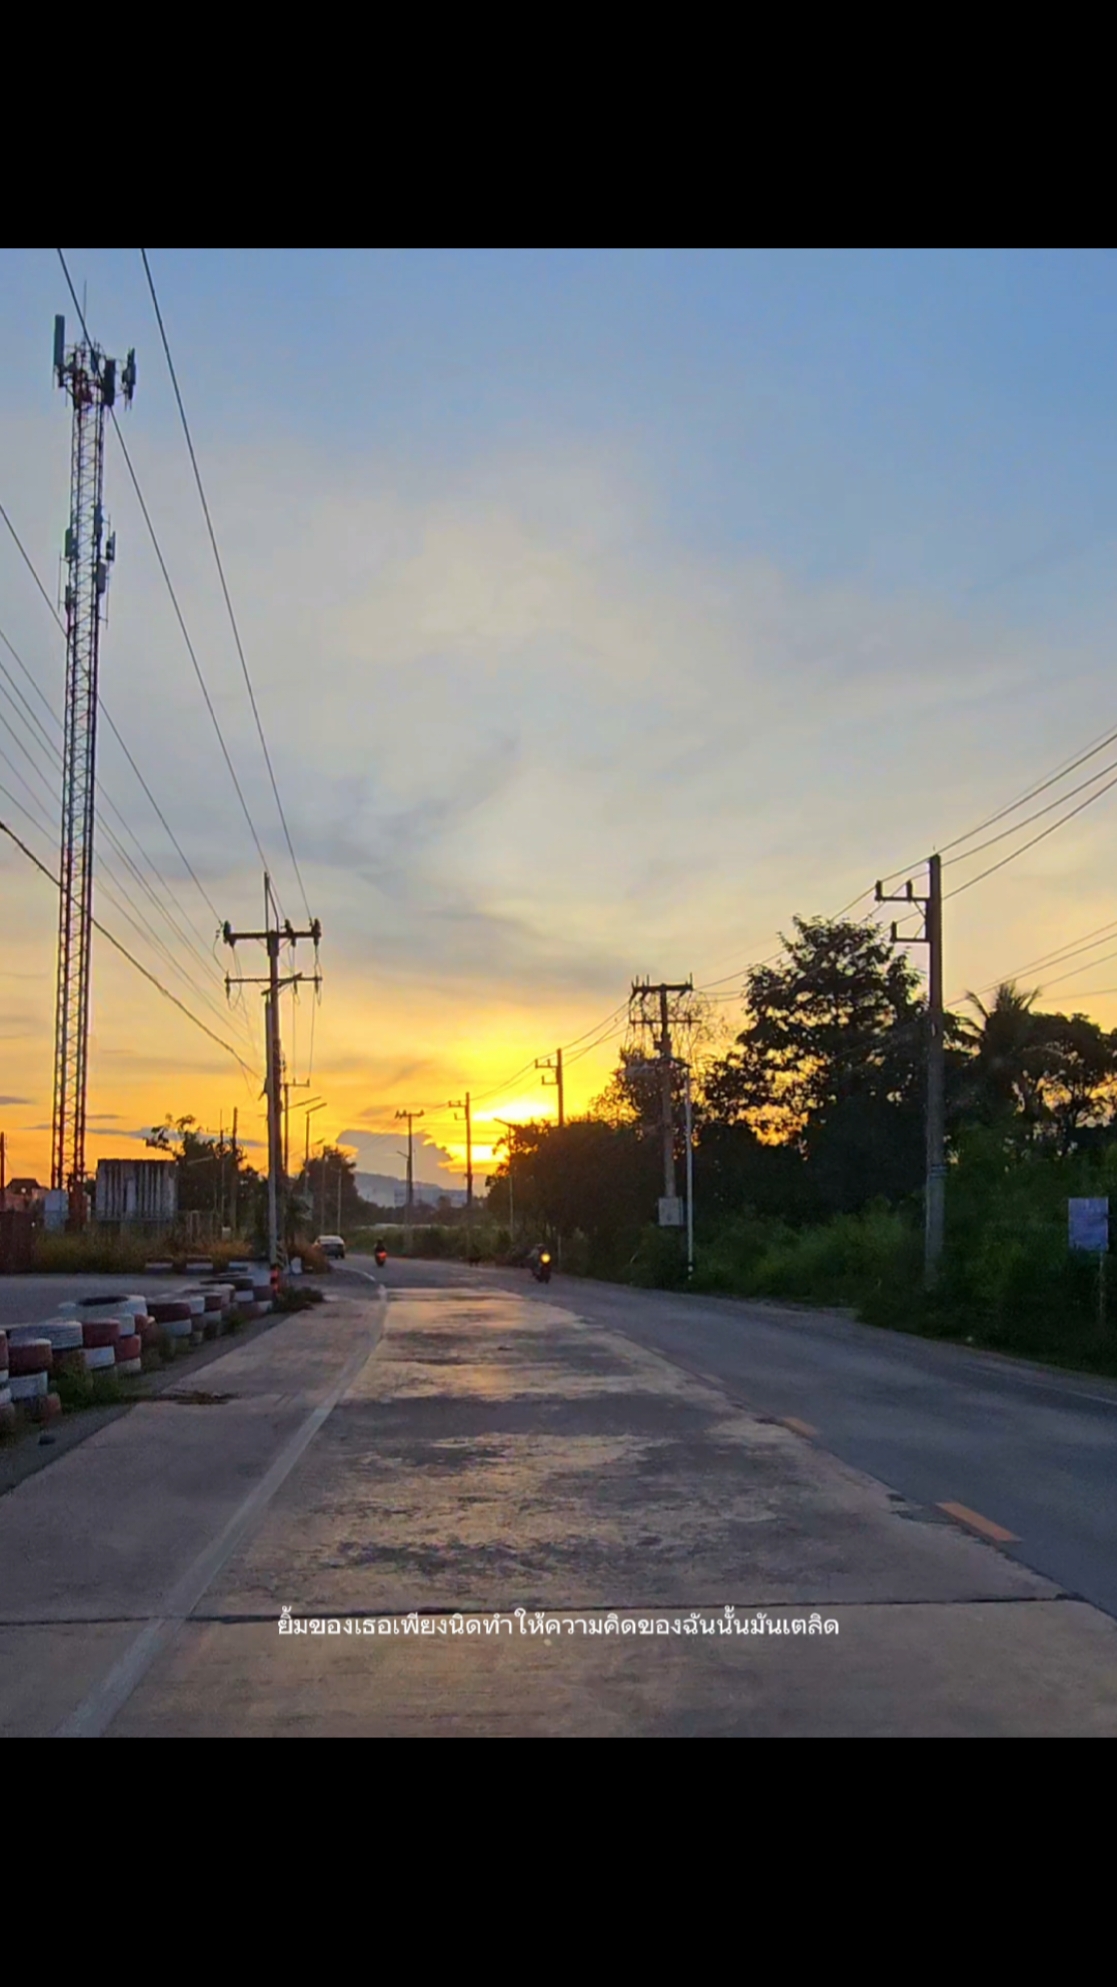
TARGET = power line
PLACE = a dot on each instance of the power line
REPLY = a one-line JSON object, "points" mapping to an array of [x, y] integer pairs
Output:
{"points": [[221, 574], [170, 589], [622, 1009], [1029, 818], [132, 961], [109, 720], [1069, 766], [1057, 957], [207, 962], [1105, 959], [46, 828], [1042, 836]]}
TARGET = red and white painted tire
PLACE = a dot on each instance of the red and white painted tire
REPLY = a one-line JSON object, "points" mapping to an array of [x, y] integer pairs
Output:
{"points": [[28, 1386], [166, 1311], [99, 1358], [128, 1348], [63, 1333], [180, 1328], [130, 1366], [104, 1333], [5, 1391], [132, 1305], [45, 1407], [34, 1355]]}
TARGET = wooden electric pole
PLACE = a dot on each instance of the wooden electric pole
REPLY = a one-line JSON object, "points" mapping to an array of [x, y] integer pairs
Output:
{"points": [[642, 992], [273, 936], [552, 1074], [462, 1104], [410, 1200], [934, 1205]]}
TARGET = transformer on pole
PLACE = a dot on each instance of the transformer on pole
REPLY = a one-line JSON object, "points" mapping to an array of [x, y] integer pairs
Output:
{"points": [[90, 380]]}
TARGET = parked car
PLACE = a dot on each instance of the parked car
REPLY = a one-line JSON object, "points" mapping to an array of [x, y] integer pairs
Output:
{"points": [[331, 1245]]}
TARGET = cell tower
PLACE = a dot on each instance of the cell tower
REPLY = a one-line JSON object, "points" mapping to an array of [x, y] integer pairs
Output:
{"points": [[90, 379]]}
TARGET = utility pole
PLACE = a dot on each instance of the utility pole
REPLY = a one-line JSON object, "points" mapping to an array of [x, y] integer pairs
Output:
{"points": [[931, 937], [273, 936], [89, 378], [642, 993], [462, 1104], [236, 1182], [3, 1167], [552, 1073], [410, 1201], [689, 1173]]}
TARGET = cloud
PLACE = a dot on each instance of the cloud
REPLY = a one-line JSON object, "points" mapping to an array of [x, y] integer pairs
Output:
{"points": [[530, 741], [15, 1100], [383, 1153]]}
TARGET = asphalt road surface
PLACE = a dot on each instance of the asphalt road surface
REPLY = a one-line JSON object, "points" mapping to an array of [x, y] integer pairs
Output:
{"points": [[1030, 1452], [450, 1502]]}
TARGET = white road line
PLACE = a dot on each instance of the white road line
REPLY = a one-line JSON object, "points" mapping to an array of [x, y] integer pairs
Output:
{"points": [[92, 1718]]}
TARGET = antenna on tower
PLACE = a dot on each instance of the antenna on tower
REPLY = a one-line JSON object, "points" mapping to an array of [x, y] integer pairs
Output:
{"points": [[89, 378]]}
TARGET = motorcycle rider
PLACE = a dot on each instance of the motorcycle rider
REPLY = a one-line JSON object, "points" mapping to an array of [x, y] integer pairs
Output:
{"points": [[539, 1263]]}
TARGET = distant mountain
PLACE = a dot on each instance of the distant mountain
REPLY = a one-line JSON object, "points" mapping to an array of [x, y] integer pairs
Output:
{"points": [[386, 1191]]}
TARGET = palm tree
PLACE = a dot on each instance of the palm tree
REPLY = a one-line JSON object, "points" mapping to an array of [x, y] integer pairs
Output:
{"points": [[1006, 1050]]}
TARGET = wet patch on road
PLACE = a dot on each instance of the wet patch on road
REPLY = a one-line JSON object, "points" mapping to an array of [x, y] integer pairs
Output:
{"points": [[497, 1452]]}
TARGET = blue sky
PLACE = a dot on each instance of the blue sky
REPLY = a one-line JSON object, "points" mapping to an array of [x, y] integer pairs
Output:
{"points": [[604, 609]]}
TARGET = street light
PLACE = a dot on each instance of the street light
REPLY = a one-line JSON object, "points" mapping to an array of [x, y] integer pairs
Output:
{"points": [[310, 1110], [510, 1142]]}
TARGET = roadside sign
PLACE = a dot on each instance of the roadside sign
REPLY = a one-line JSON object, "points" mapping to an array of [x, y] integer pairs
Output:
{"points": [[1088, 1225], [670, 1211]]}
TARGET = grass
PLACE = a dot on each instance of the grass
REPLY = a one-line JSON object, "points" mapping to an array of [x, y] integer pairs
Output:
{"points": [[93, 1254]]}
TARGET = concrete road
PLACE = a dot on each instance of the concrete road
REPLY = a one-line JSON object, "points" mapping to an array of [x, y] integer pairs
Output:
{"points": [[1030, 1452], [506, 1519]]}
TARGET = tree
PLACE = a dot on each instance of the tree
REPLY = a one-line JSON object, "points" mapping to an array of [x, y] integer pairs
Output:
{"points": [[1002, 1079], [591, 1176], [838, 1018], [1051, 1074], [633, 1096], [1078, 1079], [204, 1165], [327, 1171]]}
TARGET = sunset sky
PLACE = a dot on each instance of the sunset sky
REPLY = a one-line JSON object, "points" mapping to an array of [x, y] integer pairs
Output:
{"points": [[603, 610]]}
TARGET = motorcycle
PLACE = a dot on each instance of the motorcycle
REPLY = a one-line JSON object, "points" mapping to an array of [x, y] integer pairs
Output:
{"points": [[541, 1267], [380, 1255]]}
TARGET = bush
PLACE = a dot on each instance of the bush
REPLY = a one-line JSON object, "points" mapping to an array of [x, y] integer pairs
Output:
{"points": [[299, 1297], [660, 1260]]}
